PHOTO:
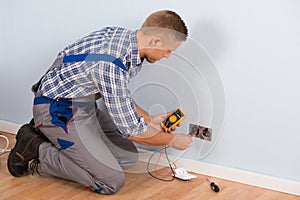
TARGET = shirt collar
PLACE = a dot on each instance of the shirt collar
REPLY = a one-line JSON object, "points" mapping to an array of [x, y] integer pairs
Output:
{"points": [[135, 56], [136, 62]]}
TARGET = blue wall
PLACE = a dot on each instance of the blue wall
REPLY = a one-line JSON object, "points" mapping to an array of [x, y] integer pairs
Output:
{"points": [[251, 47]]}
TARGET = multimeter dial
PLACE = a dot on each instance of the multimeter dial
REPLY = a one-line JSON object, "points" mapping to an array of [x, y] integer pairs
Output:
{"points": [[172, 118]]}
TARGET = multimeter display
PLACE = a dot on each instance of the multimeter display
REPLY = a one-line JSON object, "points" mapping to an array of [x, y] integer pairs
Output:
{"points": [[174, 119]]}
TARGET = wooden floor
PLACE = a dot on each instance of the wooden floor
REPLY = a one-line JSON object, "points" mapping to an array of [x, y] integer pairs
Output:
{"points": [[138, 186]]}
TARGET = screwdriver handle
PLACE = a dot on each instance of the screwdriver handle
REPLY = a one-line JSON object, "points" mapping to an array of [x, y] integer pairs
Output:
{"points": [[213, 186]]}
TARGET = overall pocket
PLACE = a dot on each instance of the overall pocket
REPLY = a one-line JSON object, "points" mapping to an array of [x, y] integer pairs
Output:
{"points": [[49, 112]]}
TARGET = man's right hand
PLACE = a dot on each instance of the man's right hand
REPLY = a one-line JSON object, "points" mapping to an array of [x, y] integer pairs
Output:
{"points": [[180, 141]]}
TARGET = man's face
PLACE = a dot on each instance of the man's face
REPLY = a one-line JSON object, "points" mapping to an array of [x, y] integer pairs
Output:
{"points": [[159, 51]]}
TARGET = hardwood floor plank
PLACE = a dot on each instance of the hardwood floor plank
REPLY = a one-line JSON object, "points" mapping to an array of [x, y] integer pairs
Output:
{"points": [[138, 186]]}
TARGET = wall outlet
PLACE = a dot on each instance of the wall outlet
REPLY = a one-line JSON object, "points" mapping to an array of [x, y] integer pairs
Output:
{"points": [[201, 132]]}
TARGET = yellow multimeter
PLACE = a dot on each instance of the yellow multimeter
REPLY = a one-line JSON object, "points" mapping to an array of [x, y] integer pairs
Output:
{"points": [[173, 119]]}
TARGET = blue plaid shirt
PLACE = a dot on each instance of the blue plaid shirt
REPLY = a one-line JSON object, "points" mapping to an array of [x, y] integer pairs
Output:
{"points": [[79, 79]]}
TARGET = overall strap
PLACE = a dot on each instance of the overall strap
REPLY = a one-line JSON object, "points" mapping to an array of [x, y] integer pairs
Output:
{"points": [[94, 57], [80, 58]]}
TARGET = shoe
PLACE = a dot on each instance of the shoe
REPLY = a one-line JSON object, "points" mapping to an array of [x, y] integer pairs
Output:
{"points": [[38, 130], [25, 150]]}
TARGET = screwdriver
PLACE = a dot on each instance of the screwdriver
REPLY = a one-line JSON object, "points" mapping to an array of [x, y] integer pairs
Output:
{"points": [[213, 186]]}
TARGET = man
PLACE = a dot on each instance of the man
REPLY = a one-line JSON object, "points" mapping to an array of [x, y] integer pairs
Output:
{"points": [[92, 145]]}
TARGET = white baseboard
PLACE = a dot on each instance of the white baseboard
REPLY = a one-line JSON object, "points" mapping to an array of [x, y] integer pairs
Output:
{"points": [[232, 174], [9, 127]]}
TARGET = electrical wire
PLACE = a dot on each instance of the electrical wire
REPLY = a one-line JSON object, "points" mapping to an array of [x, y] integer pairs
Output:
{"points": [[213, 186], [158, 159], [5, 150], [169, 163]]}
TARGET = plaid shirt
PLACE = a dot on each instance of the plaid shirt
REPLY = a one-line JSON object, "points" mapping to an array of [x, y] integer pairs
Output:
{"points": [[79, 79]]}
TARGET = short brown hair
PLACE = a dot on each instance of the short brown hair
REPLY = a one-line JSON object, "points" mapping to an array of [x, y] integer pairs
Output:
{"points": [[166, 19]]}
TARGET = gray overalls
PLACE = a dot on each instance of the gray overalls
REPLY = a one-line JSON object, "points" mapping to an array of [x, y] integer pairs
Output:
{"points": [[86, 146]]}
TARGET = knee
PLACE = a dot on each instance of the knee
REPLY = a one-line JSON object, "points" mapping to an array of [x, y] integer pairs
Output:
{"points": [[131, 160], [115, 184], [134, 158]]}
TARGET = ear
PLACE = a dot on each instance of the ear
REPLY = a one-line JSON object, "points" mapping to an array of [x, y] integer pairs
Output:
{"points": [[155, 41]]}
